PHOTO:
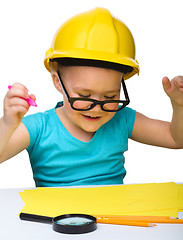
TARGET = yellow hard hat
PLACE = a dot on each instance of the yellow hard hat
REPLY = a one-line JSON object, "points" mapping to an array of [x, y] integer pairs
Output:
{"points": [[94, 38]]}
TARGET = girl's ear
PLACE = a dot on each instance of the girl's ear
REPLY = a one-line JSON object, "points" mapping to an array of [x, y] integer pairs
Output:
{"points": [[56, 81]]}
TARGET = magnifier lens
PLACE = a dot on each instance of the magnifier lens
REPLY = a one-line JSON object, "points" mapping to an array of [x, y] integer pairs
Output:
{"points": [[74, 223], [77, 221]]}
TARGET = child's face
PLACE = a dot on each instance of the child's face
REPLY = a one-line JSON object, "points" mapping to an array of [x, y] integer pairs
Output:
{"points": [[90, 82]]}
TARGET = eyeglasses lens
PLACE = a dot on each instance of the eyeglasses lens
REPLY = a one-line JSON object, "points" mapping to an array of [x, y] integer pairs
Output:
{"points": [[79, 104]]}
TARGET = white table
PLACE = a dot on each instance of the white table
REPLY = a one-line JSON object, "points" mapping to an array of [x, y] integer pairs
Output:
{"points": [[11, 227]]}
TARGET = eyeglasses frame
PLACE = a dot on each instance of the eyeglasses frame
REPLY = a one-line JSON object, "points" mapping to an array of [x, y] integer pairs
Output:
{"points": [[71, 100]]}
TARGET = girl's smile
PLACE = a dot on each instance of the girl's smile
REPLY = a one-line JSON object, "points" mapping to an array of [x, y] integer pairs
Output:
{"points": [[91, 118]]}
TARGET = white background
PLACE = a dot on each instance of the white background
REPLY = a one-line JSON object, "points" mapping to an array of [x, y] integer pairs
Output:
{"points": [[27, 29]]}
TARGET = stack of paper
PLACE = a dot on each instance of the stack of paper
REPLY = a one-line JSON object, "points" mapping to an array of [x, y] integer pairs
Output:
{"points": [[153, 199]]}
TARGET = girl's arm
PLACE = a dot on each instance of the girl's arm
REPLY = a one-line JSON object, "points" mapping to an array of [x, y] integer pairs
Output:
{"points": [[161, 133], [14, 136]]}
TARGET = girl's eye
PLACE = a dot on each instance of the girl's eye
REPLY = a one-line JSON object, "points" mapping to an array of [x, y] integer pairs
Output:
{"points": [[84, 96], [110, 97]]}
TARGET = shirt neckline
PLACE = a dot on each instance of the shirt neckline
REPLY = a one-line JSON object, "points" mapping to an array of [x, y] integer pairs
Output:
{"points": [[67, 133]]}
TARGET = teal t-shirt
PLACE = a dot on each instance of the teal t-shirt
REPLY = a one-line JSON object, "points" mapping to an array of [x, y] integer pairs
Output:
{"points": [[59, 159]]}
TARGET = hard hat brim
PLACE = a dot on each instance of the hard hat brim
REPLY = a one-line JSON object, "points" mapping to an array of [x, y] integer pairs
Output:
{"points": [[97, 56]]}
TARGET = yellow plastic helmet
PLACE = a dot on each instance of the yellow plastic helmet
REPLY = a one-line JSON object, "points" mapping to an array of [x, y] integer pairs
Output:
{"points": [[94, 38]]}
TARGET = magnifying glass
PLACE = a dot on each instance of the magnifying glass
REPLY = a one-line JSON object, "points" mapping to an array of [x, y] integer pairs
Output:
{"points": [[67, 223]]}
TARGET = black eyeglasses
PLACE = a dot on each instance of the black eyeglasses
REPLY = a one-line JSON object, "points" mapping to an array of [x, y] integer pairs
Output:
{"points": [[85, 104]]}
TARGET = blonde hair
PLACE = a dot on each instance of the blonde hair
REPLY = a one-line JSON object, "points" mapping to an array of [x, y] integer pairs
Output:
{"points": [[53, 66]]}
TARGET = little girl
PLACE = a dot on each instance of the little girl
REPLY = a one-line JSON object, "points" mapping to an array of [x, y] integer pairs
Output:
{"points": [[83, 139]]}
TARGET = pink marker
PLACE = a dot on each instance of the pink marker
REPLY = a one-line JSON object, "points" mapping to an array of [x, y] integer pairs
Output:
{"points": [[29, 100]]}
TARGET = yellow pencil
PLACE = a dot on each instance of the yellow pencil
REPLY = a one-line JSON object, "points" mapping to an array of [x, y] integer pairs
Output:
{"points": [[149, 219], [128, 217], [125, 222], [176, 221]]}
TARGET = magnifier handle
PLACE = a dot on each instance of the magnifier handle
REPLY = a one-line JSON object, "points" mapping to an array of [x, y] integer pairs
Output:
{"points": [[35, 218]]}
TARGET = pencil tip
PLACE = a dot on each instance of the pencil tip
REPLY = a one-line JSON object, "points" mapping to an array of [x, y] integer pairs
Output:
{"points": [[152, 224]]}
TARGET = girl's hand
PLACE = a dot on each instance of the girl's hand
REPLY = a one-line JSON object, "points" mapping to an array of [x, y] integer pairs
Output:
{"points": [[14, 106], [174, 89]]}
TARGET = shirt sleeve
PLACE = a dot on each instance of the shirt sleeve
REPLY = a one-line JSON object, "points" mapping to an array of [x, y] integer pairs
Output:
{"points": [[130, 119], [34, 124]]}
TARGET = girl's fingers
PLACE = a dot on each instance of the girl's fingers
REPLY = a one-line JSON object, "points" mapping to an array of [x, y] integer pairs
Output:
{"points": [[20, 86], [15, 101], [166, 84], [17, 92], [32, 96], [18, 109]]}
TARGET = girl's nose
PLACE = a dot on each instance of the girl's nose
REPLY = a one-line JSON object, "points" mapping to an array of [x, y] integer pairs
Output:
{"points": [[96, 108]]}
